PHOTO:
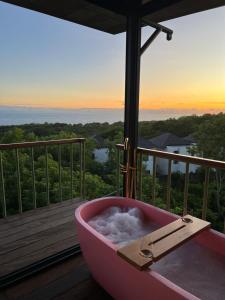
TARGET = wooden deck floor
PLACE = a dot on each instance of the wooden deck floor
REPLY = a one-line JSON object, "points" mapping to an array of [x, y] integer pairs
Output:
{"points": [[68, 280], [36, 234]]}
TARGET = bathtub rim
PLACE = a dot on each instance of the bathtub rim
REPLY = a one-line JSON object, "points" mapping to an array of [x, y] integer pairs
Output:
{"points": [[80, 219], [171, 215]]}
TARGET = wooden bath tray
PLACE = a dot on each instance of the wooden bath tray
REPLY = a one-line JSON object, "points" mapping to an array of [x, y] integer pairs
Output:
{"points": [[150, 248]]}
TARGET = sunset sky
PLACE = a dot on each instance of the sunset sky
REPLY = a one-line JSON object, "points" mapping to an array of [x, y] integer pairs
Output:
{"points": [[47, 62]]}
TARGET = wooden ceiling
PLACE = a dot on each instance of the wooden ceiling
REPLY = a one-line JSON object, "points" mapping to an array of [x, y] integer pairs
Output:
{"points": [[110, 16]]}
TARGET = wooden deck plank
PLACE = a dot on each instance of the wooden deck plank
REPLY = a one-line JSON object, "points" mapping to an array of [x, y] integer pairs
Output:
{"points": [[36, 214], [87, 289], [60, 285], [52, 230], [46, 276], [52, 206], [69, 280], [42, 253], [37, 242], [49, 234], [43, 226]]}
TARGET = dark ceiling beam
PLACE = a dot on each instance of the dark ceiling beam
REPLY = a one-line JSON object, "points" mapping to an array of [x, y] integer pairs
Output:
{"points": [[118, 7], [122, 7], [156, 5]]}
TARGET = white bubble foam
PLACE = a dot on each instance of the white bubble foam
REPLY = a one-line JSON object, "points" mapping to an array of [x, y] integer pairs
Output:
{"points": [[121, 225]]}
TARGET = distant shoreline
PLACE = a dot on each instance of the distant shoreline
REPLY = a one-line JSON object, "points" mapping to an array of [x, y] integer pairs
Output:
{"points": [[10, 115]]}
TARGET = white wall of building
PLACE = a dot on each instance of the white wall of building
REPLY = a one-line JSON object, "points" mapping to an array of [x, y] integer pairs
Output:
{"points": [[162, 164], [176, 166], [101, 155], [148, 164]]}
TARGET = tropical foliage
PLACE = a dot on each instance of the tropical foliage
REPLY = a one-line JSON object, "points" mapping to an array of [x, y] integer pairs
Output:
{"points": [[101, 178]]}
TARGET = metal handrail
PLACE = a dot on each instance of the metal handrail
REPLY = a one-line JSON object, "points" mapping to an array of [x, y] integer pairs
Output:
{"points": [[187, 159], [32, 145], [180, 157], [41, 143]]}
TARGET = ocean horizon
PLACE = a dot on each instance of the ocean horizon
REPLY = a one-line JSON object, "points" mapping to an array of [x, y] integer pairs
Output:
{"points": [[26, 115]]}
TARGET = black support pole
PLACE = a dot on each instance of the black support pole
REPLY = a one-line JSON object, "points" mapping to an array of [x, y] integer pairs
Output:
{"points": [[132, 80]]}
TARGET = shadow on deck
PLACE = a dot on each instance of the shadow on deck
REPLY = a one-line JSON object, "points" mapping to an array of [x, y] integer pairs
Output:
{"points": [[68, 280], [36, 235]]}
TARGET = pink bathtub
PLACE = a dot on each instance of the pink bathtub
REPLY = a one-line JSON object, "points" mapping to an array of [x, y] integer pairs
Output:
{"points": [[196, 270]]}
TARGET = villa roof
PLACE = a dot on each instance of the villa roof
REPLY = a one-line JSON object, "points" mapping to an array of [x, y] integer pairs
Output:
{"points": [[169, 139], [190, 138], [100, 141], [110, 16], [145, 143]]}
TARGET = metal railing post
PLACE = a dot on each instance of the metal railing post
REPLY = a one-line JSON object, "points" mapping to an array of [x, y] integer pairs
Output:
{"points": [[4, 211], [118, 172], [186, 184], [153, 179], [33, 179], [82, 169], [140, 176], [205, 194], [71, 171], [168, 190], [47, 175], [18, 181], [60, 172], [84, 161]]}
